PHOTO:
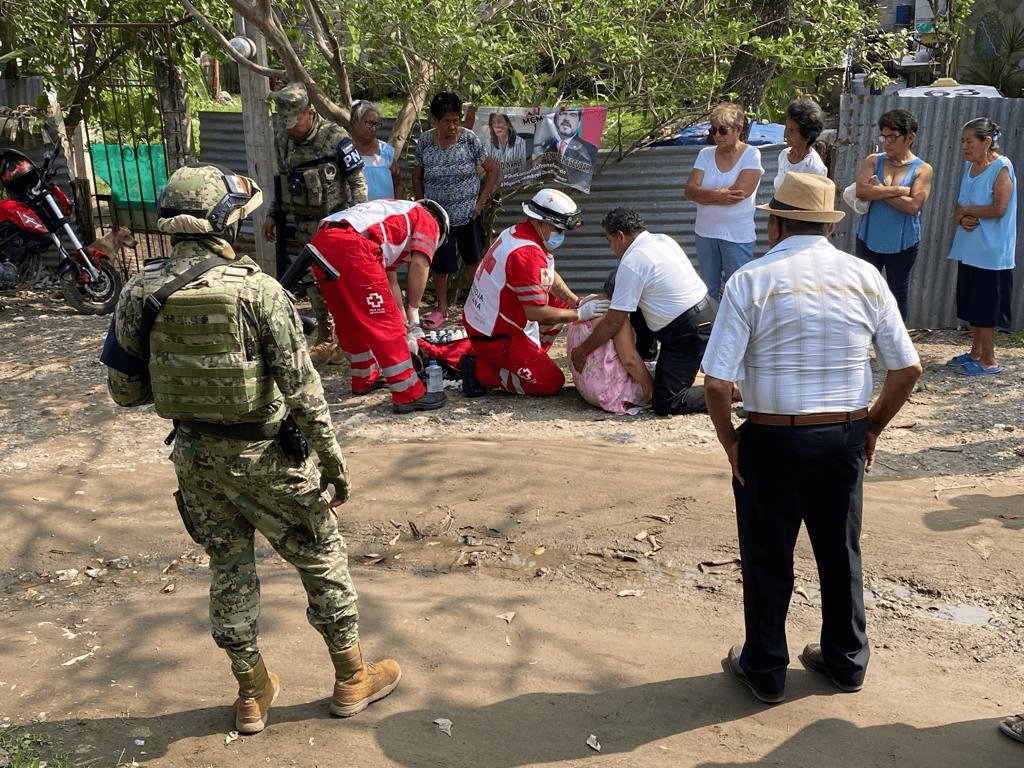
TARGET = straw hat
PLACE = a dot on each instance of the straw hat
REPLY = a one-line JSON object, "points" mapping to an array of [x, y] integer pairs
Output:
{"points": [[805, 197]]}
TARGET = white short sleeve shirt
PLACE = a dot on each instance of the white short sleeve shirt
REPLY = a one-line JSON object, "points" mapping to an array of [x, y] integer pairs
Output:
{"points": [[734, 223], [810, 164], [656, 276], [797, 327]]}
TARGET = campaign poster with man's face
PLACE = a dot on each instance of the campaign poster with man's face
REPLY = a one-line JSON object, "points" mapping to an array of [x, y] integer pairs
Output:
{"points": [[537, 143]]}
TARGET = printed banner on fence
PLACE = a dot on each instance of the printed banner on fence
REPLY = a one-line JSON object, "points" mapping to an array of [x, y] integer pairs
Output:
{"points": [[538, 143]]}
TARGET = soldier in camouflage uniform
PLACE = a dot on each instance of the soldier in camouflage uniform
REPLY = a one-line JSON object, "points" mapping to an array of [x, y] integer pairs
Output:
{"points": [[319, 172], [225, 358]]}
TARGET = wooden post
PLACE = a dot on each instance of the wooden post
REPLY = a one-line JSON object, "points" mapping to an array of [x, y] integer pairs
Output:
{"points": [[259, 139]]}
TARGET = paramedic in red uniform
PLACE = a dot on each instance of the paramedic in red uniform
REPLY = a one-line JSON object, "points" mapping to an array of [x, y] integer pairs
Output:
{"points": [[518, 303], [366, 243]]}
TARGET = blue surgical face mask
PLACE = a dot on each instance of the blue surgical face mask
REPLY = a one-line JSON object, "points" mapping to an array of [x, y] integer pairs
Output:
{"points": [[554, 240]]}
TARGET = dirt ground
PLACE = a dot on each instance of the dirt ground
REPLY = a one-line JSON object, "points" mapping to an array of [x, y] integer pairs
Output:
{"points": [[543, 572]]}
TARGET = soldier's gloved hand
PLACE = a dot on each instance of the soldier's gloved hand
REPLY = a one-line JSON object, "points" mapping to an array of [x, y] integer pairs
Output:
{"points": [[592, 309], [412, 339], [341, 488]]}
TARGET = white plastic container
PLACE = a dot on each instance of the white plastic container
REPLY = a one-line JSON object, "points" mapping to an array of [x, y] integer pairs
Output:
{"points": [[435, 377]]}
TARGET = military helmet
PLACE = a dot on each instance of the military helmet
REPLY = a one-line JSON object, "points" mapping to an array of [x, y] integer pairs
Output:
{"points": [[205, 199], [554, 207]]}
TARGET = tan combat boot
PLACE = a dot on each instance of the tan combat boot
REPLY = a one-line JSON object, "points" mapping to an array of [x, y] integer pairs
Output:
{"points": [[257, 690], [359, 683]]}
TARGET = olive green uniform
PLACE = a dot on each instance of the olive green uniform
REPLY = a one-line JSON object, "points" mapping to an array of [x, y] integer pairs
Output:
{"points": [[227, 352], [320, 189]]}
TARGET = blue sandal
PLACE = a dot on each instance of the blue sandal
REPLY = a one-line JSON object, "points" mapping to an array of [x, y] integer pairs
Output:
{"points": [[959, 360], [974, 368]]}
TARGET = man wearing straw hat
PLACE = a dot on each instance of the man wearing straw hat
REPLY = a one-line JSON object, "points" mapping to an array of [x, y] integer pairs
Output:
{"points": [[797, 327]]}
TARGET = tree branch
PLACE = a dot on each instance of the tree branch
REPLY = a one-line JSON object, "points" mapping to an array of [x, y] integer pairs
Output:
{"points": [[330, 50], [225, 46]]}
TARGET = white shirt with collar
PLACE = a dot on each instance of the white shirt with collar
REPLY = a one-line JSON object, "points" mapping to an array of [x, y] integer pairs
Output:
{"points": [[658, 277], [797, 327]]}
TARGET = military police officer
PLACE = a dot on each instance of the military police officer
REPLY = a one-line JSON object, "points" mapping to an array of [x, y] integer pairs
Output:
{"points": [[319, 171], [215, 344]]}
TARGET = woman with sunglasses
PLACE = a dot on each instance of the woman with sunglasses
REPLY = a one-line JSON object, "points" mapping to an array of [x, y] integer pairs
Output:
{"points": [[896, 182], [380, 165], [723, 183]]}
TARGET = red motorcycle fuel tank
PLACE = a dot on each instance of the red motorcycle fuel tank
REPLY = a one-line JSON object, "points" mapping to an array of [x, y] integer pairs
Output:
{"points": [[22, 217]]}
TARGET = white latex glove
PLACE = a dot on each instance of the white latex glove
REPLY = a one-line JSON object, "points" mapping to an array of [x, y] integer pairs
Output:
{"points": [[593, 309], [412, 316], [412, 339]]}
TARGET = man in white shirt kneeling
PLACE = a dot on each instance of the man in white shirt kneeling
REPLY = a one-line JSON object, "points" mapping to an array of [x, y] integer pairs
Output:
{"points": [[657, 284]]}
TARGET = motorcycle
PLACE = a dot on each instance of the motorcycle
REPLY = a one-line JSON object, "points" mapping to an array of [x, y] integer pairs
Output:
{"points": [[35, 216]]}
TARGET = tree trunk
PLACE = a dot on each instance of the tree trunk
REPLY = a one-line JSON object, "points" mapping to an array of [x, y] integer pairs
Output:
{"points": [[179, 147], [749, 76]]}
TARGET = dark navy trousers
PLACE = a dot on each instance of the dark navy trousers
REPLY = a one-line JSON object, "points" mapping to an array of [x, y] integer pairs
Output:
{"points": [[813, 475]]}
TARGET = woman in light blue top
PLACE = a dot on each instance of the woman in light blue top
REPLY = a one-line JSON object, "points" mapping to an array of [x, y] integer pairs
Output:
{"points": [[383, 178], [984, 244], [897, 183]]}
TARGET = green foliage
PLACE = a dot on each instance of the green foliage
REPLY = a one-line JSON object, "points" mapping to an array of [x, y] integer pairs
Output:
{"points": [[660, 58], [949, 27], [653, 61], [1003, 65], [30, 750], [72, 64]]}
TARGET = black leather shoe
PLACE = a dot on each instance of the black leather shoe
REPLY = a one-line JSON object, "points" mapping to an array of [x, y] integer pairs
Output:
{"points": [[813, 660], [470, 386], [428, 401], [731, 664]]}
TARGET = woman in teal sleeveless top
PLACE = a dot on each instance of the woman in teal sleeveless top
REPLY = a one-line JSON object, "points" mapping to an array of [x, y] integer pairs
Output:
{"points": [[984, 244], [896, 182]]}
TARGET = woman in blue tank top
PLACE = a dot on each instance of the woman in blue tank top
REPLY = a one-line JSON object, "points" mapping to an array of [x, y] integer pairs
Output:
{"points": [[896, 182], [984, 244]]}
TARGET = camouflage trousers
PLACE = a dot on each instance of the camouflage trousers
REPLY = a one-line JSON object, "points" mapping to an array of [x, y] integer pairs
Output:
{"points": [[325, 328], [230, 490]]}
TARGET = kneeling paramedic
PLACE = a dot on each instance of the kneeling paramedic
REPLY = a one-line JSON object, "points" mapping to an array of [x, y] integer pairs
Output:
{"points": [[518, 303], [216, 345]]}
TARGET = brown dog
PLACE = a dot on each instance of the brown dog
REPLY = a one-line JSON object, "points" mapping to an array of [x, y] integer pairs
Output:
{"points": [[112, 242]]}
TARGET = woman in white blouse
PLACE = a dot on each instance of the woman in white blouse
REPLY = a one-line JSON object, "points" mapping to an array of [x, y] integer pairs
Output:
{"points": [[723, 183], [804, 123]]}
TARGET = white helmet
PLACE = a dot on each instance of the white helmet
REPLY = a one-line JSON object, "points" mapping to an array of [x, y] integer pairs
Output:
{"points": [[554, 207]]}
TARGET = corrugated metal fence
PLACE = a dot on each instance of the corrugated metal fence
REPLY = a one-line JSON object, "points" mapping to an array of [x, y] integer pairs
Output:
{"points": [[24, 90], [933, 281], [650, 181]]}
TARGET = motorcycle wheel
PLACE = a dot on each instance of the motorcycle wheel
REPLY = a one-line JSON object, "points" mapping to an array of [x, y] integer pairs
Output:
{"points": [[31, 268], [96, 297]]}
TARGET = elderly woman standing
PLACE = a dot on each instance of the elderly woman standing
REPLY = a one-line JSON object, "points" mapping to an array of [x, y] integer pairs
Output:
{"points": [[896, 182], [722, 183], [984, 244], [446, 160], [804, 123], [383, 178]]}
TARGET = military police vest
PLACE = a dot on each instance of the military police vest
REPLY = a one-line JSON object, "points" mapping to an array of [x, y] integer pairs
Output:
{"points": [[204, 363], [313, 171]]}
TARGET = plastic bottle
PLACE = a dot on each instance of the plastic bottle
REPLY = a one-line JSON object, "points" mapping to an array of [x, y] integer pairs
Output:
{"points": [[435, 377]]}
